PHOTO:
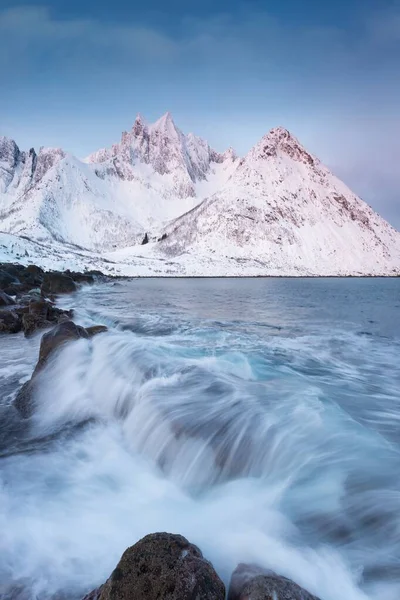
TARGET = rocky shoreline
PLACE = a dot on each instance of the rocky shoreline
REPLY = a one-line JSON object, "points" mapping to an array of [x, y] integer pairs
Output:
{"points": [[27, 296]]}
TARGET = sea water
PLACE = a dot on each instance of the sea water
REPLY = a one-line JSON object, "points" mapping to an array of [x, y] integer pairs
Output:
{"points": [[260, 418]]}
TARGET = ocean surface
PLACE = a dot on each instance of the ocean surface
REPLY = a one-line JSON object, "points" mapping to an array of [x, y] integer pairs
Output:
{"points": [[260, 418]]}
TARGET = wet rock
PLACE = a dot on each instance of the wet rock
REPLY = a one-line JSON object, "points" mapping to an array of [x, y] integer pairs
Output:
{"points": [[35, 271], [56, 337], [34, 294], [31, 323], [51, 341], [13, 289], [81, 277], [6, 279], [96, 329], [250, 582], [42, 314], [5, 299], [57, 283], [162, 566], [64, 332], [10, 321]]}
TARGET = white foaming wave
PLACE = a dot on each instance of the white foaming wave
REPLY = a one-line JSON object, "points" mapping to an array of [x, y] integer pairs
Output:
{"points": [[173, 428], [73, 512]]}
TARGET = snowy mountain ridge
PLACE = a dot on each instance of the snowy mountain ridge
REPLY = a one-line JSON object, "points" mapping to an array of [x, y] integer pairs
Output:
{"points": [[276, 211]]}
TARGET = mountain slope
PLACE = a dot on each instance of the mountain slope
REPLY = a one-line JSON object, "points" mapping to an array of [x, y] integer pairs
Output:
{"points": [[283, 208], [155, 174], [277, 211]]}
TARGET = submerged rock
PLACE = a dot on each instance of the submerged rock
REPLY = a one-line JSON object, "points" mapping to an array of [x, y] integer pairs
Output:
{"points": [[162, 566], [250, 582]]}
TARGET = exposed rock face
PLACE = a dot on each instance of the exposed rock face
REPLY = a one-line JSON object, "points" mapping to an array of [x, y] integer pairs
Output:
{"points": [[51, 342], [58, 283], [9, 322], [162, 566], [32, 310], [250, 582]]}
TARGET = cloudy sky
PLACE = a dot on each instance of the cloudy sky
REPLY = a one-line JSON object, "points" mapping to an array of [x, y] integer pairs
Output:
{"points": [[74, 73]]}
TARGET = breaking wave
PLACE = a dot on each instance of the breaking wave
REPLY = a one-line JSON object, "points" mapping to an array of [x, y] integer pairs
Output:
{"points": [[268, 441]]}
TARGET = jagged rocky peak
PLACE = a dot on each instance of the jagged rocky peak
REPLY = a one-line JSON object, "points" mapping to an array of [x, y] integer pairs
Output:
{"points": [[229, 154], [279, 140], [140, 127], [9, 151], [45, 160], [166, 125]]}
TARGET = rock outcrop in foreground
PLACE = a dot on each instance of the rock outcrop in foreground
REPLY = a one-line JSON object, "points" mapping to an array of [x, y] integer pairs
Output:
{"points": [[162, 565], [165, 566]]}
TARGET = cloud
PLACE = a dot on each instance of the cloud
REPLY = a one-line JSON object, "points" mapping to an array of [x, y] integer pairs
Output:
{"points": [[26, 32]]}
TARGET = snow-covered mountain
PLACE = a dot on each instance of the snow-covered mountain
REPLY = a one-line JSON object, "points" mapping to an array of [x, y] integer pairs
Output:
{"points": [[113, 197], [277, 211], [284, 208]]}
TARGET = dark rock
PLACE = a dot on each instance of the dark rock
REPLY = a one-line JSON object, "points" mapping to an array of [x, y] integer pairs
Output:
{"points": [[58, 336], [51, 342], [42, 314], [96, 329], [57, 283], [163, 237], [5, 299], [93, 595], [162, 566], [35, 294], [6, 278], [35, 271], [145, 239], [80, 277], [250, 582], [31, 323], [10, 322], [13, 289]]}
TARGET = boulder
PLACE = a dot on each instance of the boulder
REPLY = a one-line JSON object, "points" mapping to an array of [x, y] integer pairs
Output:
{"points": [[5, 299], [41, 314], [162, 566], [6, 278], [10, 322], [250, 582], [80, 277], [35, 271], [57, 283]]}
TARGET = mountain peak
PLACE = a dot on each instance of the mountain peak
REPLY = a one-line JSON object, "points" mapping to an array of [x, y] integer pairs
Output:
{"points": [[140, 120], [279, 140], [139, 125], [165, 124]]}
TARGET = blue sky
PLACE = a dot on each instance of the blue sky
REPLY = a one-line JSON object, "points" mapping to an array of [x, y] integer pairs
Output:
{"points": [[75, 73]]}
